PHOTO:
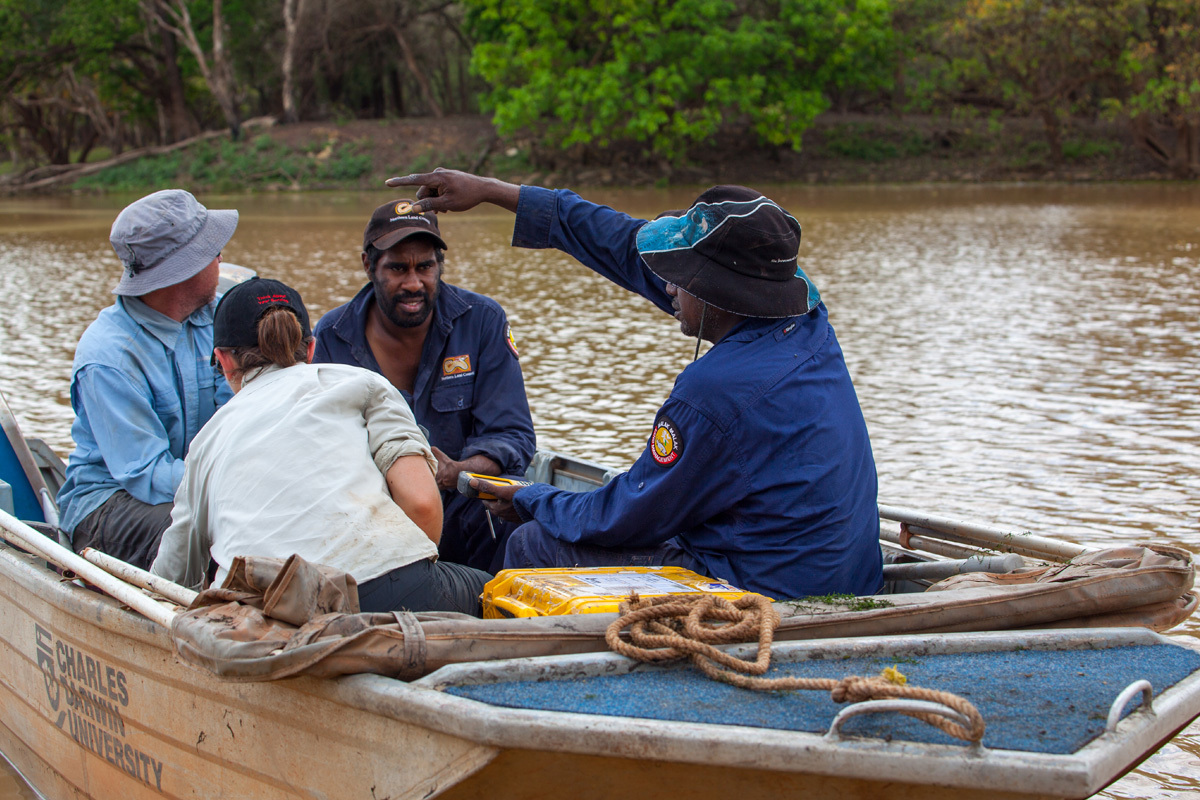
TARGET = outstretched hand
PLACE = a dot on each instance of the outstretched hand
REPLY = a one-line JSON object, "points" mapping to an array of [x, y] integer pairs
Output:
{"points": [[452, 190]]}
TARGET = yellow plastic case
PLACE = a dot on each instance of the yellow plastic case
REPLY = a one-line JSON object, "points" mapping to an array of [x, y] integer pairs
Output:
{"points": [[550, 592]]}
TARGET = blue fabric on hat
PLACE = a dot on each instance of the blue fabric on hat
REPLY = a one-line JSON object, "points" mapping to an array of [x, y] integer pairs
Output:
{"points": [[702, 220]]}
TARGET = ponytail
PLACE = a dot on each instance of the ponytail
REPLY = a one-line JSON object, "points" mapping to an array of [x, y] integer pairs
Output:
{"points": [[281, 343]]}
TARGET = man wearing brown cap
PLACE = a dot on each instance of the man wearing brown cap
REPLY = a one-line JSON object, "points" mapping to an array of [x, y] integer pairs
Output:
{"points": [[142, 384], [758, 467], [451, 354]]}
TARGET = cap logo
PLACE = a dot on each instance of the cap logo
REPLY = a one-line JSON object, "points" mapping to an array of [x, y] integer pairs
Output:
{"points": [[666, 445], [402, 208], [272, 298], [455, 365]]}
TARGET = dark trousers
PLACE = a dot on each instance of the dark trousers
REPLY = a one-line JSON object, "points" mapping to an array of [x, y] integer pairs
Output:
{"points": [[125, 528], [466, 536], [425, 586], [531, 546]]}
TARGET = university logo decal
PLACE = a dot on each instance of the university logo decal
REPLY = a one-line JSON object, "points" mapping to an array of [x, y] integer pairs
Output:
{"points": [[666, 445], [512, 340], [455, 365]]}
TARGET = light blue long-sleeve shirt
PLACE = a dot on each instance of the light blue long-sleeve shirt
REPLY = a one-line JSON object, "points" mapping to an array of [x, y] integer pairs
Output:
{"points": [[141, 387]]}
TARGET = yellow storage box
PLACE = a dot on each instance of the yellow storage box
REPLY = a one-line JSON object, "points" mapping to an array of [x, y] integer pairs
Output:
{"points": [[549, 592]]}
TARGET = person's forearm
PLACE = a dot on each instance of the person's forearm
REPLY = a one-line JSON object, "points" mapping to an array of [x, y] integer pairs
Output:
{"points": [[428, 517], [479, 464], [411, 485], [503, 194]]}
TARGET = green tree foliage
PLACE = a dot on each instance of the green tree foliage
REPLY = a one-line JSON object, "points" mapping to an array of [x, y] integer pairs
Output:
{"points": [[75, 74], [1162, 65], [923, 62], [63, 85], [668, 74], [1040, 57]]}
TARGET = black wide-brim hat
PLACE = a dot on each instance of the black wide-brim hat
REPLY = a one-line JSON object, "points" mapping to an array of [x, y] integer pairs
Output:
{"points": [[734, 248]]}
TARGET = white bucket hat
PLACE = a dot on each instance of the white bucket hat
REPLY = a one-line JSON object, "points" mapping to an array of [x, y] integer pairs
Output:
{"points": [[166, 238]]}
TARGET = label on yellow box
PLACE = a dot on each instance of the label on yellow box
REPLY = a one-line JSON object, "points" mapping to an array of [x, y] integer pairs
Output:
{"points": [[550, 592]]}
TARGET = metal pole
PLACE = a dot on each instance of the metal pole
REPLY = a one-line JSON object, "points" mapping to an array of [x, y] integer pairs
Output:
{"points": [[935, 546], [919, 522], [25, 537], [180, 595]]}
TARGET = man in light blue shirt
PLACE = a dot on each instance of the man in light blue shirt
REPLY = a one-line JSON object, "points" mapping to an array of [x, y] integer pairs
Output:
{"points": [[142, 384]]}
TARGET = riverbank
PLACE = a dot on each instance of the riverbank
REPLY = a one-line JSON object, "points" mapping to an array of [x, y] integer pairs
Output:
{"points": [[838, 149]]}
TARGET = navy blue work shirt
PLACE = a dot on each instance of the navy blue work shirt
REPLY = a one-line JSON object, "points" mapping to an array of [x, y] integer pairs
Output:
{"points": [[759, 461], [469, 393]]}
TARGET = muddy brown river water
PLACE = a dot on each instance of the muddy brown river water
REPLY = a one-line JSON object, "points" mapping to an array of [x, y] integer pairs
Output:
{"points": [[1027, 356]]}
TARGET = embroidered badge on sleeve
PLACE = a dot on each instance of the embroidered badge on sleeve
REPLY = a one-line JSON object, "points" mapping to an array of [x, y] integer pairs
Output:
{"points": [[512, 340], [666, 445]]}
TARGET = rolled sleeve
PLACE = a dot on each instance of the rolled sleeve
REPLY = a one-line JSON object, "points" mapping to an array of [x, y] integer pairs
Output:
{"points": [[392, 431]]}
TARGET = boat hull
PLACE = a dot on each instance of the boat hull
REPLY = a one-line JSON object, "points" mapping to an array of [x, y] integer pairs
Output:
{"points": [[98, 706]]}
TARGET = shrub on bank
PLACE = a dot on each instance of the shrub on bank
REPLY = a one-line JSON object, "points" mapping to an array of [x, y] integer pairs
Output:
{"points": [[225, 166]]}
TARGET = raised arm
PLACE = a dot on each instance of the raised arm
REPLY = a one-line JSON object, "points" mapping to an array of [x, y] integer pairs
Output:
{"points": [[599, 237]]}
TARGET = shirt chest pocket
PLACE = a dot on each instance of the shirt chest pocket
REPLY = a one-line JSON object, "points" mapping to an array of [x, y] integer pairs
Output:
{"points": [[453, 396], [167, 404]]}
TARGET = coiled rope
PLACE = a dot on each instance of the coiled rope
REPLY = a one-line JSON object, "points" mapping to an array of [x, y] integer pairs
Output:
{"points": [[673, 627]]}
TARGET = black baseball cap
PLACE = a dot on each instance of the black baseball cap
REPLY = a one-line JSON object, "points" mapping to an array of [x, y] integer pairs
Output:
{"points": [[235, 323], [395, 221]]}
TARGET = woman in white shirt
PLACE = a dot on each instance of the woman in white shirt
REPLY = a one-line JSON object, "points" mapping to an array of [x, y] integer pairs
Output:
{"points": [[323, 460]]}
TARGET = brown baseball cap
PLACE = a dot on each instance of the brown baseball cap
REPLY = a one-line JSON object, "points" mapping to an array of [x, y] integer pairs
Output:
{"points": [[395, 221]]}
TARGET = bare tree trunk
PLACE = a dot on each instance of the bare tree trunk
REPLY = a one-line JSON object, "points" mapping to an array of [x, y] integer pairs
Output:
{"points": [[1183, 161], [223, 73], [1194, 124], [174, 16], [292, 11], [181, 124], [1053, 129], [397, 90], [417, 73]]}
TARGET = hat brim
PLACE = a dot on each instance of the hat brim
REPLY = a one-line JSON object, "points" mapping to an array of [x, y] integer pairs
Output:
{"points": [[720, 286], [390, 240], [188, 260]]}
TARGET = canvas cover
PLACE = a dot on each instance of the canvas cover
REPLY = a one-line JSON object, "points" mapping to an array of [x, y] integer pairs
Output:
{"points": [[273, 619]]}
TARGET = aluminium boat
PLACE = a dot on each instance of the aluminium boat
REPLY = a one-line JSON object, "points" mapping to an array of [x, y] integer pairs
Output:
{"points": [[111, 688]]}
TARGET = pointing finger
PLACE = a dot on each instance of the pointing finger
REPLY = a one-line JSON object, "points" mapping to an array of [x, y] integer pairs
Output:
{"points": [[416, 179]]}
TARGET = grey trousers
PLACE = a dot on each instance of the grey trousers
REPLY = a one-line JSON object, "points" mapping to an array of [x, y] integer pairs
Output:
{"points": [[425, 586], [125, 528]]}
